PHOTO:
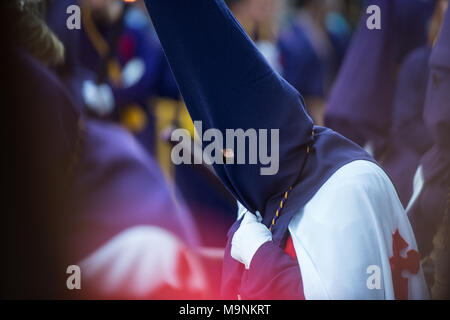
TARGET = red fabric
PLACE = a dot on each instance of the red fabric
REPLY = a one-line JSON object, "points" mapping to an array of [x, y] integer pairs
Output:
{"points": [[289, 249], [127, 47], [411, 263], [183, 291]]}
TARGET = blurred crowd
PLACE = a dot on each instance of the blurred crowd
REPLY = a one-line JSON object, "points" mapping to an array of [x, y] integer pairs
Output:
{"points": [[90, 113]]}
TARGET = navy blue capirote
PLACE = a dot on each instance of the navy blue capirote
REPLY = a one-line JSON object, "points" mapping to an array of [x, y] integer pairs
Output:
{"points": [[227, 84]]}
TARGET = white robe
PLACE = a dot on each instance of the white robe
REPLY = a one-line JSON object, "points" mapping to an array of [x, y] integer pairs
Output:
{"points": [[346, 229]]}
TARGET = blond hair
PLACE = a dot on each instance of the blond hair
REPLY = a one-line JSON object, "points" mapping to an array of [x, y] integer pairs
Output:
{"points": [[437, 21], [34, 35]]}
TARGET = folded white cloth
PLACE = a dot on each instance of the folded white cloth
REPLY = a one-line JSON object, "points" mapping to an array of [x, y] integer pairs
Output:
{"points": [[250, 236]]}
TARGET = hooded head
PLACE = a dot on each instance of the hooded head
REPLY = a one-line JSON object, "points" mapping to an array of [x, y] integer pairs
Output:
{"points": [[361, 103], [228, 85], [437, 109]]}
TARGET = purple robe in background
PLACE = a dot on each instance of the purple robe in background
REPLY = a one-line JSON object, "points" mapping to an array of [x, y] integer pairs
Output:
{"points": [[437, 109], [361, 101], [120, 186], [429, 209], [410, 138]]}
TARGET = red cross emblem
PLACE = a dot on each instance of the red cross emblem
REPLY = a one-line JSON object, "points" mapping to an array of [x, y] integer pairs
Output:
{"points": [[398, 263]]}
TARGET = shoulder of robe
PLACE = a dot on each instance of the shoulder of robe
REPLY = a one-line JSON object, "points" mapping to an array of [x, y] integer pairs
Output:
{"points": [[345, 228], [358, 194]]}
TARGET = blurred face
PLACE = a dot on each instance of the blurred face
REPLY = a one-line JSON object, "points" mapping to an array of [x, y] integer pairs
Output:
{"points": [[105, 10], [437, 20], [321, 8], [443, 4], [263, 10], [97, 5]]}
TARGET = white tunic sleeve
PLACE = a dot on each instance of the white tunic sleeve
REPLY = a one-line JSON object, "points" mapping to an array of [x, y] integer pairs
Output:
{"points": [[343, 237]]}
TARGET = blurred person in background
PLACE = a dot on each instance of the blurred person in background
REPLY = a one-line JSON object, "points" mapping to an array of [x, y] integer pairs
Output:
{"points": [[99, 199], [312, 46], [429, 207], [117, 46], [352, 11], [410, 138], [360, 105], [260, 19]]}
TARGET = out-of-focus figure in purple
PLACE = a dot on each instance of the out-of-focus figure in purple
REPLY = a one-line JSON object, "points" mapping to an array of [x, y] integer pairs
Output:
{"points": [[360, 105], [312, 46]]}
